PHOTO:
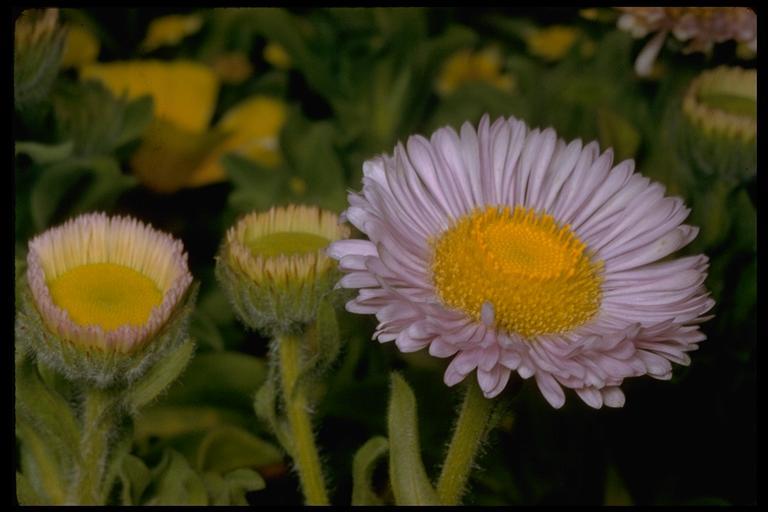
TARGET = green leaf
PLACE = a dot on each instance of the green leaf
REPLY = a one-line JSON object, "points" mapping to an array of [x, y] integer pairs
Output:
{"points": [[148, 387], [309, 148], [48, 414], [362, 470], [617, 133], [241, 481], [45, 153], [134, 477], [25, 494], [174, 482], [409, 480], [217, 488], [203, 329], [281, 26], [166, 421], [41, 466], [94, 182], [255, 186], [219, 378], [229, 447], [265, 406]]}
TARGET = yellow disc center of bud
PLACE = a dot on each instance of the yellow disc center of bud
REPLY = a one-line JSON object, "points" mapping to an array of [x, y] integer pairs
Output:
{"points": [[731, 103], [536, 274], [286, 243], [106, 295]]}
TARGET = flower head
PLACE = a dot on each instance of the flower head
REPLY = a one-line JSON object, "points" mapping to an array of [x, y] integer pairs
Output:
{"points": [[274, 267], [103, 289], [467, 66], [38, 44], [720, 109], [509, 249], [701, 26]]}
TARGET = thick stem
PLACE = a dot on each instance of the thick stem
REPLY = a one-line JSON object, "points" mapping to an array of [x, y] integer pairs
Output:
{"points": [[469, 433], [99, 418], [305, 456]]}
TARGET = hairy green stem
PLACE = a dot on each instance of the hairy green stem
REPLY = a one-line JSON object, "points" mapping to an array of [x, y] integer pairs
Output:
{"points": [[305, 455], [99, 419], [471, 428]]}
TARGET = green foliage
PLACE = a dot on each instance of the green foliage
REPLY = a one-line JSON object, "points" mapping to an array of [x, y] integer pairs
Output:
{"points": [[362, 470], [409, 480]]}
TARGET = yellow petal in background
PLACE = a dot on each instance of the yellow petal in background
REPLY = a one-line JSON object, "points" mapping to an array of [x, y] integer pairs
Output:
{"points": [[81, 47], [466, 66], [551, 43], [233, 68], [276, 55], [254, 132], [184, 92], [170, 30], [168, 155]]}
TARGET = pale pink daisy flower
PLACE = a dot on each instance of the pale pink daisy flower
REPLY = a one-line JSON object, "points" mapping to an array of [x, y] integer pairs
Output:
{"points": [[509, 249], [700, 27]]}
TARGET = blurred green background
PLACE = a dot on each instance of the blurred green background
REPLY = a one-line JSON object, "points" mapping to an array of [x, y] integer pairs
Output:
{"points": [[291, 103]]}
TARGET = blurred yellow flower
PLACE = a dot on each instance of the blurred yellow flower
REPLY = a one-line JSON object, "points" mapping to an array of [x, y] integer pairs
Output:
{"points": [[170, 30], [551, 43], [276, 55], [178, 141], [81, 47], [253, 130], [232, 68], [184, 92], [467, 66]]}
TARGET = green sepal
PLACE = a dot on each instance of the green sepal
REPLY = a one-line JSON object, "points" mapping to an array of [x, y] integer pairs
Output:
{"points": [[228, 448], [363, 465], [409, 480]]}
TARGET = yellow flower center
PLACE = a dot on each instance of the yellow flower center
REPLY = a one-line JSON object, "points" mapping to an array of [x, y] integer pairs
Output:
{"points": [[286, 243], [536, 274], [105, 294]]}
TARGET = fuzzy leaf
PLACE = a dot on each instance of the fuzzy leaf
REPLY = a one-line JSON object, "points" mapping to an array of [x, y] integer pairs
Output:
{"points": [[241, 481], [174, 482], [223, 378], [134, 476], [362, 470], [40, 465], [160, 376], [45, 153], [229, 447], [265, 405], [409, 480], [25, 494]]}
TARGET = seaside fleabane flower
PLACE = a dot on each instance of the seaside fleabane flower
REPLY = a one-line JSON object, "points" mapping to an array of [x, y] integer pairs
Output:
{"points": [[273, 266], [700, 27], [509, 249], [104, 297]]}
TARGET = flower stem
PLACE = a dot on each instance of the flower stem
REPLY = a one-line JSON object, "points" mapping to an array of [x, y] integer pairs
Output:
{"points": [[99, 418], [471, 428], [304, 451]]}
